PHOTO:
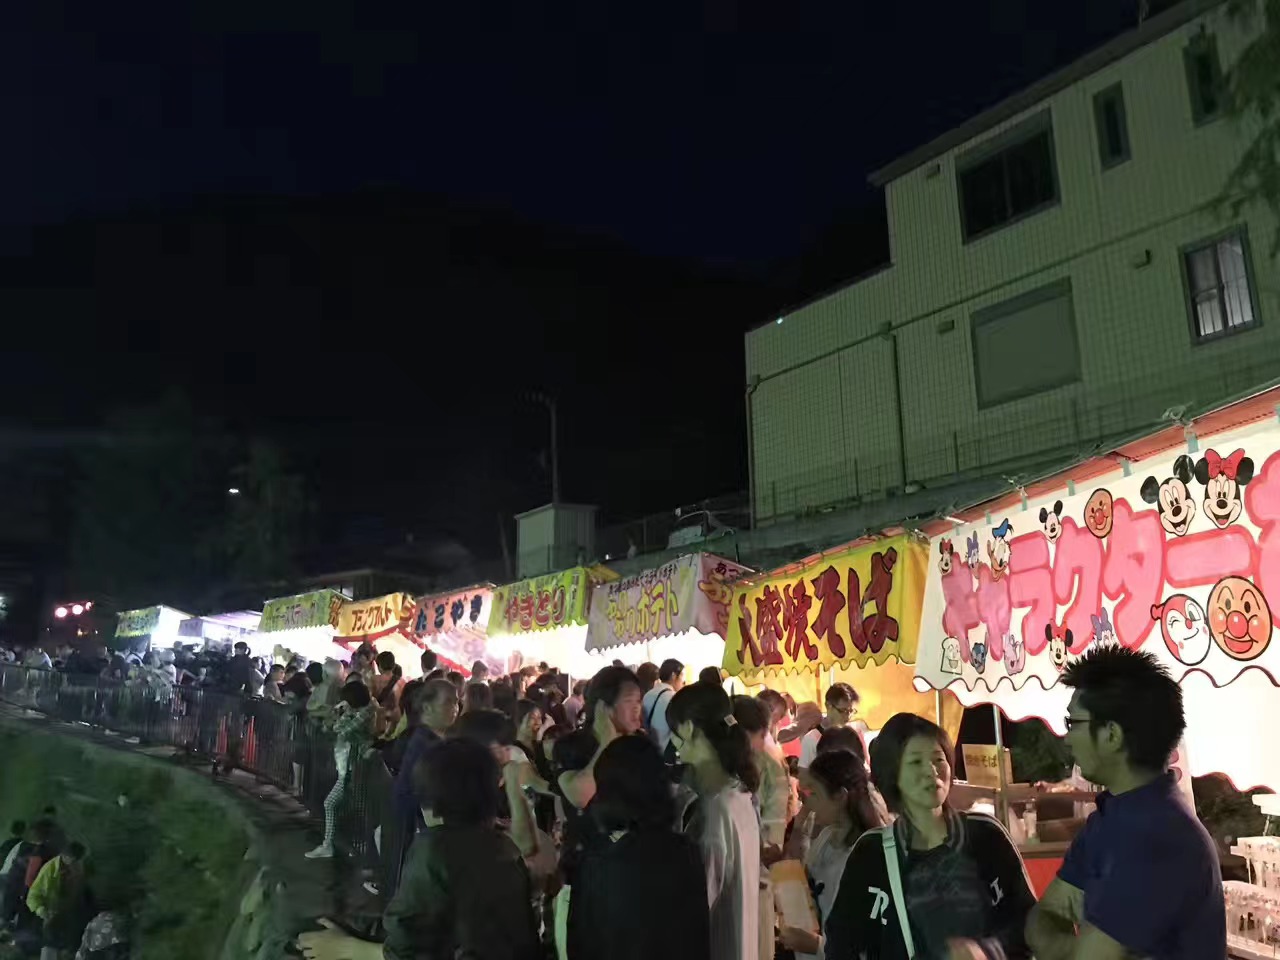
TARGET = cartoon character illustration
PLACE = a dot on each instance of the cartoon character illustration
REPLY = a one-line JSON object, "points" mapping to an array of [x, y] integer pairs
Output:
{"points": [[948, 552], [1222, 478], [978, 656], [1098, 513], [1103, 631], [951, 656], [998, 549], [1239, 618], [1015, 654], [1051, 520], [1185, 629], [1059, 640], [971, 556], [1173, 497]]}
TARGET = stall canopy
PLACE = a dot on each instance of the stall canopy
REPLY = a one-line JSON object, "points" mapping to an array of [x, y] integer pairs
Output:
{"points": [[137, 630], [220, 628], [678, 610], [852, 615], [1171, 547], [455, 626], [544, 618], [302, 624]]}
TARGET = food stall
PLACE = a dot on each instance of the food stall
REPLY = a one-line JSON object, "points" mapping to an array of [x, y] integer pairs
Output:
{"points": [[302, 625], [1168, 545], [544, 619], [455, 626], [851, 615], [149, 628], [678, 610], [386, 624], [220, 630]]}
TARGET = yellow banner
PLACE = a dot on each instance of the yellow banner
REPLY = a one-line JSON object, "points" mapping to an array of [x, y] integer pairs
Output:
{"points": [[360, 618], [543, 603], [859, 607]]}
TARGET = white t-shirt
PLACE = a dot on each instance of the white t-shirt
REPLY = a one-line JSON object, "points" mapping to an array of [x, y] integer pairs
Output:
{"points": [[728, 833], [824, 863], [809, 742], [656, 701]]}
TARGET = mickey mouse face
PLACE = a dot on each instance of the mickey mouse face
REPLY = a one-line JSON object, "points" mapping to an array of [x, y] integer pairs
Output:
{"points": [[1173, 497], [1223, 478], [1051, 520]]}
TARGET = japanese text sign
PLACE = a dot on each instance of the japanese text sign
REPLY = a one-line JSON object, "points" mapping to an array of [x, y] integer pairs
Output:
{"points": [[137, 623], [861, 606], [316, 609], [982, 764], [689, 593], [371, 618], [1179, 556], [542, 603], [455, 626]]}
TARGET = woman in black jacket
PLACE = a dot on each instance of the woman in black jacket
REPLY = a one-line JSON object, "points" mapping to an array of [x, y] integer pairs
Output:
{"points": [[961, 885], [641, 890]]}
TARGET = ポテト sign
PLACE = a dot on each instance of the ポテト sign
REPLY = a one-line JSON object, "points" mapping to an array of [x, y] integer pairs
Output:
{"points": [[375, 617], [688, 593], [1179, 556], [319, 608], [861, 606], [541, 603]]}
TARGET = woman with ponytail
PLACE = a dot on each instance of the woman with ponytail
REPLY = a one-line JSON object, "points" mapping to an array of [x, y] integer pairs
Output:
{"points": [[718, 754], [843, 808]]}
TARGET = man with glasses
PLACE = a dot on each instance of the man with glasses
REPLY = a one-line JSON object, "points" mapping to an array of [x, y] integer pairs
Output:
{"points": [[1141, 878], [842, 704]]}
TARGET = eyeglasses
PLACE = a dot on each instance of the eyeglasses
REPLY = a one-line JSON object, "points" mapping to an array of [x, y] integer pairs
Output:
{"points": [[1070, 721], [846, 711], [677, 741]]}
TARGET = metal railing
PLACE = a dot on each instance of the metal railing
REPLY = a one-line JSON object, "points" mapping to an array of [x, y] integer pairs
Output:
{"points": [[275, 742]]}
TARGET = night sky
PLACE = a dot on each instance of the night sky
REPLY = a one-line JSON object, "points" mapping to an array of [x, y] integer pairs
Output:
{"points": [[380, 224]]}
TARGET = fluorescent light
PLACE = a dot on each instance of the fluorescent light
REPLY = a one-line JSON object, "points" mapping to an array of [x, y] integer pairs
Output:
{"points": [[954, 519], [234, 491]]}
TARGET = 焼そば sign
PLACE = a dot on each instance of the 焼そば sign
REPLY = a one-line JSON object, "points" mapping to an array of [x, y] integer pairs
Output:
{"points": [[1180, 556]]}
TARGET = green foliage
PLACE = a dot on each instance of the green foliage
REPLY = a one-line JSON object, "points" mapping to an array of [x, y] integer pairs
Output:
{"points": [[1253, 98], [1037, 754], [173, 860]]}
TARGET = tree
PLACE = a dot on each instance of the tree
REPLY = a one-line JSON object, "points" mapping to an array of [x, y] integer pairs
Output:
{"points": [[266, 525], [1253, 97]]}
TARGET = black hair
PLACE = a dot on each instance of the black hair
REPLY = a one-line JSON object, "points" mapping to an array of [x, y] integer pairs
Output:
{"points": [[841, 770], [525, 707], [606, 687], [458, 781], [18, 828], [241, 645], [76, 850], [502, 696], [889, 745], [632, 791], [485, 727], [670, 669], [774, 701], [580, 687], [315, 673], [842, 738], [751, 714], [478, 696], [356, 695], [386, 660], [841, 691], [480, 668], [457, 679], [709, 675], [708, 708], [435, 688], [411, 700], [436, 674], [429, 660], [1135, 692], [647, 674]]}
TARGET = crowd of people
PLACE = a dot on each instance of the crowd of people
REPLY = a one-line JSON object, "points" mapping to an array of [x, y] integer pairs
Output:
{"points": [[636, 815]]}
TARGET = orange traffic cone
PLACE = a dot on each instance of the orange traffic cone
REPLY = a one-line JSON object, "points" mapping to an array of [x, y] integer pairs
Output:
{"points": [[250, 747]]}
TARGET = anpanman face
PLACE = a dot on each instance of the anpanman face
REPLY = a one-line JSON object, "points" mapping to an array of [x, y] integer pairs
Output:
{"points": [[1239, 619]]}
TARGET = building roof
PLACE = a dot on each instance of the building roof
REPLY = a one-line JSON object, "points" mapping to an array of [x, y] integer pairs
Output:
{"points": [[1093, 61]]}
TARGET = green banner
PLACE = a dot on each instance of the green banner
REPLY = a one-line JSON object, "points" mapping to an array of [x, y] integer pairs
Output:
{"points": [[319, 608], [138, 623]]}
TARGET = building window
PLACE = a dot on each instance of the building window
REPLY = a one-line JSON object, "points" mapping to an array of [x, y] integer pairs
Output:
{"points": [[1113, 130], [1008, 179], [1204, 79], [1219, 295], [1025, 345]]}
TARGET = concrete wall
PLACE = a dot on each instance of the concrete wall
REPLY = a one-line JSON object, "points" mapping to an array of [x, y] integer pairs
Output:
{"points": [[825, 414]]}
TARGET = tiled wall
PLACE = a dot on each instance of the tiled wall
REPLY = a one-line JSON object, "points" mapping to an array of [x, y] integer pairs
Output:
{"points": [[824, 416]]}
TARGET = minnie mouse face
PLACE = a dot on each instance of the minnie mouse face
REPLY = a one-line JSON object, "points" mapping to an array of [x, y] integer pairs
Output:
{"points": [[1051, 520], [1223, 479], [1059, 641], [947, 557], [1173, 498]]}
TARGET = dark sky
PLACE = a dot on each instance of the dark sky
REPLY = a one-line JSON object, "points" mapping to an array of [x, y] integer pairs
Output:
{"points": [[387, 220]]}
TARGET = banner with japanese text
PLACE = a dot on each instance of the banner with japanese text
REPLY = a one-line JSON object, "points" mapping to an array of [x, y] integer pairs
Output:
{"points": [[688, 593], [374, 617], [138, 623], [861, 606], [541, 603], [316, 609], [455, 626], [1177, 555]]}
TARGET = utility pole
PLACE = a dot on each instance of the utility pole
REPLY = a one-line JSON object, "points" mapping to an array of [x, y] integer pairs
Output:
{"points": [[550, 404]]}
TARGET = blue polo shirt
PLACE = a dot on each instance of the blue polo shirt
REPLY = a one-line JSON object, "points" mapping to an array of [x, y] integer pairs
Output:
{"points": [[1150, 876]]}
